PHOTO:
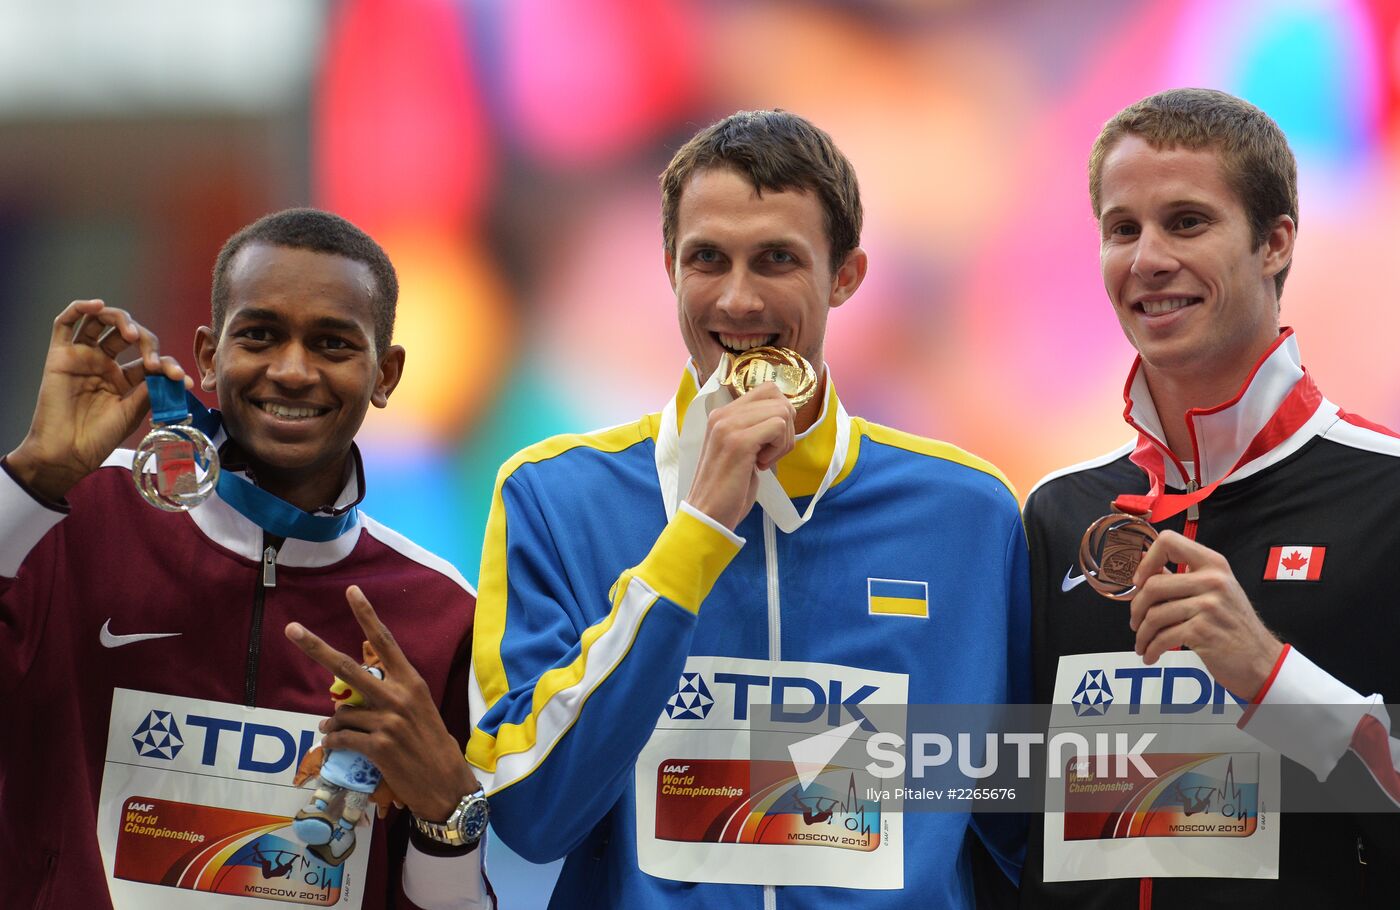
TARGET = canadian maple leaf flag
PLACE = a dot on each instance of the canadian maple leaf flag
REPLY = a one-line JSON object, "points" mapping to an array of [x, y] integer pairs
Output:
{"points": [[1294, 563]]}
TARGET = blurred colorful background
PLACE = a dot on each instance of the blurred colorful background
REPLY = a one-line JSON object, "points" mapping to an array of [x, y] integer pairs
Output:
{"points": [[505, 153]]}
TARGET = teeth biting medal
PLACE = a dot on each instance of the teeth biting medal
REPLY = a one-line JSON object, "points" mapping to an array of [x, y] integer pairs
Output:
{"points": [[784, 367]]}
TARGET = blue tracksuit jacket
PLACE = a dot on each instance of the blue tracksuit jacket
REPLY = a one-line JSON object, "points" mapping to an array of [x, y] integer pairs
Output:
{"points": [[591, 602]]}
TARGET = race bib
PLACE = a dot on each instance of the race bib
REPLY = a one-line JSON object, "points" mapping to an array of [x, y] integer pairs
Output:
{"points": [[711, 807], [1199, 801], [197, 803]]}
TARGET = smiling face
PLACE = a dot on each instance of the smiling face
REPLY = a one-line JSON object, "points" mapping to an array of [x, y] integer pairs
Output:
{"points": [[753, 269], [295, 366], [1193, 293]]}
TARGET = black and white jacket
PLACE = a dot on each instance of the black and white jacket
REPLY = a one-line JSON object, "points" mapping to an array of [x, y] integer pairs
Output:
{"points": [[1329, 482]]}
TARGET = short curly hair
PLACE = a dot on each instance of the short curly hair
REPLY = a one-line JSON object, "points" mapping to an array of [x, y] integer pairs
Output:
{"points": [[320, 232]]}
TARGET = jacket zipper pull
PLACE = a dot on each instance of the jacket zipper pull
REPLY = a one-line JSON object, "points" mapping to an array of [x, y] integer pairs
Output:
{"points": [[1193, 512], [269, 567]]}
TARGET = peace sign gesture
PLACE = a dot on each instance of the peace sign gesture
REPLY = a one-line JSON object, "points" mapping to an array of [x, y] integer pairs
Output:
{"points": [[398, 727]]}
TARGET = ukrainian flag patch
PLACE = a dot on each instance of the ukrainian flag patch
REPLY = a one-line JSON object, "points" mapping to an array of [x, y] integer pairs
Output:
{"points": [[892, 597]]}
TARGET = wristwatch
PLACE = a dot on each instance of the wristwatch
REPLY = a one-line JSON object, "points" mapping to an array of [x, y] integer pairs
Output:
{"points": [[464, 826]]}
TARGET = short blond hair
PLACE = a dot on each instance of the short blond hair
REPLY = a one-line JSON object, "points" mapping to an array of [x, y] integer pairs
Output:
{"points": [[1254, 154]]}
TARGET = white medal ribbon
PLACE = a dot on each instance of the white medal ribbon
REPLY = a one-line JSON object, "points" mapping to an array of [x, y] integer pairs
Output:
{"points": [[678, 452]]}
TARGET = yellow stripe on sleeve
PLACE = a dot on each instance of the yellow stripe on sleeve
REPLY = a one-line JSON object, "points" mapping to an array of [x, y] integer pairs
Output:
{"points": [[933, 447], [686, 561], [682, 566], [486, 751], [490, 624]]}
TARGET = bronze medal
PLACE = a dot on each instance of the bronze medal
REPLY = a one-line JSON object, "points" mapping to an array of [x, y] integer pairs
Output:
{"points": [[784, 367], [1111, 551]]}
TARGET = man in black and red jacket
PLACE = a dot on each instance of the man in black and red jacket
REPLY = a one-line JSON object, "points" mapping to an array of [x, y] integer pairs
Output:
{"points": [[1275, 506]]}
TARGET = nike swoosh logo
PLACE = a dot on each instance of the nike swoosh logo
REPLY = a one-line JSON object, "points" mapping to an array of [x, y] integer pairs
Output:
{"points": [[1071, 581], [116, 641]]}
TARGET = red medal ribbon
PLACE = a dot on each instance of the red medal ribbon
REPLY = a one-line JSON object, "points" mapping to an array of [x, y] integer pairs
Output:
{"points": [[1296, 409]]}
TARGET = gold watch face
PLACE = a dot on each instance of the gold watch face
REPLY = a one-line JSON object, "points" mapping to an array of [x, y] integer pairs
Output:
{"points": [[783, 367]]}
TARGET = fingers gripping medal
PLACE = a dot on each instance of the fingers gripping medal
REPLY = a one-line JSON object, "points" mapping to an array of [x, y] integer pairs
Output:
{"points": [[186, 463], [1111, 551], [784, 367]]}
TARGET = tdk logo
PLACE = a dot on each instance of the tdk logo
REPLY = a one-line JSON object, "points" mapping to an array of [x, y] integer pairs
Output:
{"points": [[692, 700], [788, 696], [795, 699], [1093, 696], [158, 736], [1178, 690], [226, 744]]}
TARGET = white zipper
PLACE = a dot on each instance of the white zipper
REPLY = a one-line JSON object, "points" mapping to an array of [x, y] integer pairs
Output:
{"points": [[775, 619], [269, 567], [775, 638]]}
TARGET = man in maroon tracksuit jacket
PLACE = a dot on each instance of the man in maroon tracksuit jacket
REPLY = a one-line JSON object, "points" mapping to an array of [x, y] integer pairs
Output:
{"points": [[157, 712]]}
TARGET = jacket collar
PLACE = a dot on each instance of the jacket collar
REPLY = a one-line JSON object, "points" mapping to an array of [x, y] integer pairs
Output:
{"points": [[1271, 398], [822, 455], [229, 528]]}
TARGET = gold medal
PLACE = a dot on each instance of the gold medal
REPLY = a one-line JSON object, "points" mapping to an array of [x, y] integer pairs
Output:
{"points": [[1111, 551], [784, 367]]}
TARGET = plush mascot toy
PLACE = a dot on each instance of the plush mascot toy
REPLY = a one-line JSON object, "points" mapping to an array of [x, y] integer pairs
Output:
{"points": [[346, 782]]}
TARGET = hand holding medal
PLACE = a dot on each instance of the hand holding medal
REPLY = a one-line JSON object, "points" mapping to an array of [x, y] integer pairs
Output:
{"points": [[750, 434], [88, 402]]}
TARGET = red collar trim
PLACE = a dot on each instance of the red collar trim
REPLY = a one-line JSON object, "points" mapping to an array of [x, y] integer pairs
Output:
{"points": [[1224, 424]]}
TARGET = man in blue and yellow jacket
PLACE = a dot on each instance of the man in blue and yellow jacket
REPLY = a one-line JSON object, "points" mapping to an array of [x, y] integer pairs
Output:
{"points": [[634, 604]]}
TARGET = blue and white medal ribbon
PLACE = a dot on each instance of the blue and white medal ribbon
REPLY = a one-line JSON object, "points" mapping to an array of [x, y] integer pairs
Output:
{"points": [[186, 466], [183, 423], [277, 516]]}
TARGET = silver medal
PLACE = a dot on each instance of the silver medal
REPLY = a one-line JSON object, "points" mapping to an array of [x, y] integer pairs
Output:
{"points": [[185, 471]]}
